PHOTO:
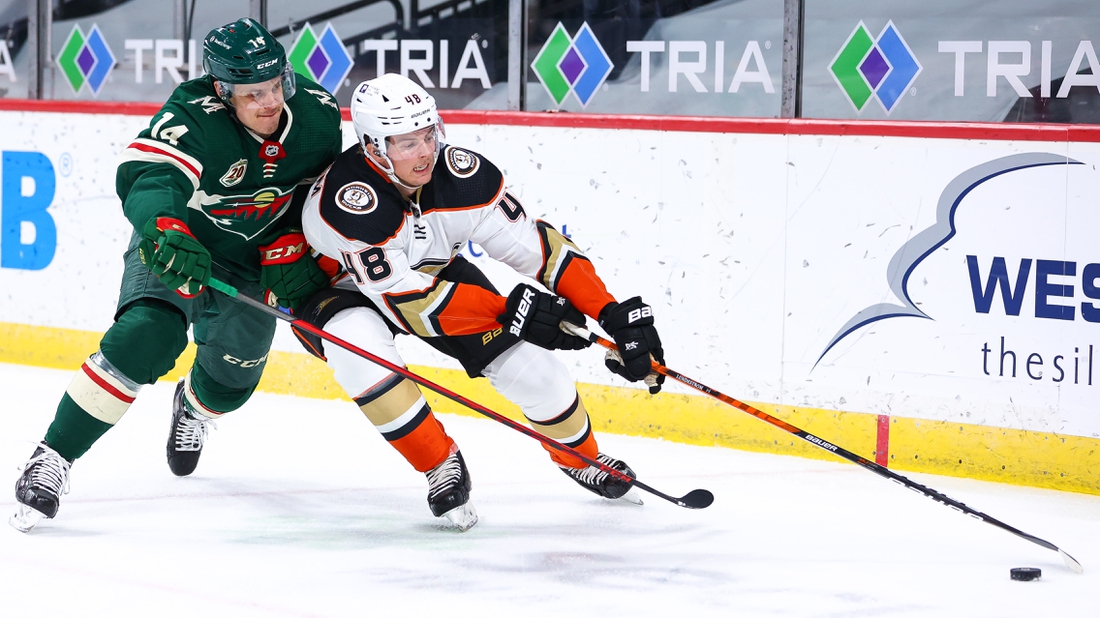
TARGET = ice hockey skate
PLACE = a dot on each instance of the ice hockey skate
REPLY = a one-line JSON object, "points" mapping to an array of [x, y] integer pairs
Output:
{"points": [[38, 491], [186, 436], [449, 492], [602, 483]]}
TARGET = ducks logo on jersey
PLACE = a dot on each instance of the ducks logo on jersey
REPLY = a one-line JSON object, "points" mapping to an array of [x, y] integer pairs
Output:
{"points": [[358, 198], [461, 162]]}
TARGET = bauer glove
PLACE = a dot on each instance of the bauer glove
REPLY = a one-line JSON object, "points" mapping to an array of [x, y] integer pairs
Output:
{"points": [[289, 272], [630, 324], [535, 316], [175, 256]]}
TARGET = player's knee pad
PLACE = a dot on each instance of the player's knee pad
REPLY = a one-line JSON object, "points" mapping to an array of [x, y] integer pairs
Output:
{"points": [[145, 340], [533, 379], [364, 328], [393, 404], [210, 397], [541, 386]]}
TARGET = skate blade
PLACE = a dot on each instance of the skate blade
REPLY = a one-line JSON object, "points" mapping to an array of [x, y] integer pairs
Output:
{"points": [[632, 497], [25, 518], [461, 517]]}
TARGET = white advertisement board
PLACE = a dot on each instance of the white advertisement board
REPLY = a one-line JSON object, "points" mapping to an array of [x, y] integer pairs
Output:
{"points": [[935, 278]]}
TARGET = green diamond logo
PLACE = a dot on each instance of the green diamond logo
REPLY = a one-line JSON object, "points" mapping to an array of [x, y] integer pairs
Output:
{"points": [[86, 59], [882, 67], [572, 64], [324, 59]]}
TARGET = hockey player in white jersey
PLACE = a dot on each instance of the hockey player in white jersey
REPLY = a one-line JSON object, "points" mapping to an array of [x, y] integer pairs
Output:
{"points": [[393, 212]]}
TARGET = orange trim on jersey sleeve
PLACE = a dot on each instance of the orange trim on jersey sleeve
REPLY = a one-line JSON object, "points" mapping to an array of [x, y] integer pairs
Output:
{"points": [[584, 288], [472, 309]]}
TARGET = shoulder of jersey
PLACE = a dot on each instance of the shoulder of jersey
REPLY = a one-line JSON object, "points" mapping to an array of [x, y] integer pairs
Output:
{"points": [[313, 95], [196, 106], [464, 179], [197, 100], [358, 203]]}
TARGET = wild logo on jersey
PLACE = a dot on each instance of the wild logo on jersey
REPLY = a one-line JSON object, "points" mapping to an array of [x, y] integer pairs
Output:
{"points": [[246, 215]]}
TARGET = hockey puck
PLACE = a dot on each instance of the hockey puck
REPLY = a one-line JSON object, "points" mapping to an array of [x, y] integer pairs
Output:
{"points": [[1025, 574]]}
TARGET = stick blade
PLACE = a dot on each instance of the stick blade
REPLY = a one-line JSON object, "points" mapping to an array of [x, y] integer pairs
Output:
{"points": [[697, 499], [1072, 563]]}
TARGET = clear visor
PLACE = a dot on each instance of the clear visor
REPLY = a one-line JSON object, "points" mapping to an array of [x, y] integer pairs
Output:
{"points": [[267, 94], [427, 141]]}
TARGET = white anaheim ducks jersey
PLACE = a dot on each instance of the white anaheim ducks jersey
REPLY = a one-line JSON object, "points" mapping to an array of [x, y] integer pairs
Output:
{"points": [[392, 247]]}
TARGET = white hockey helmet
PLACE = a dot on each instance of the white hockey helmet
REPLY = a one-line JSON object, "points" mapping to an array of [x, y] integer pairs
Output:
{"points": [[389, 105]]}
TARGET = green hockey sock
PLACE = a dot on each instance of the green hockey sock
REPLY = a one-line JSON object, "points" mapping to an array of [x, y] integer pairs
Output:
{"points": [[73, 431]]}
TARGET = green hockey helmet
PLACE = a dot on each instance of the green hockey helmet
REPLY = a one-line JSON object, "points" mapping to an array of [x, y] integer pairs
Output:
{"points": [[244, 53]]}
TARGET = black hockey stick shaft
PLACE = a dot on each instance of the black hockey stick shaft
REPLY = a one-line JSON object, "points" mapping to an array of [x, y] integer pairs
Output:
{"points": [[695, 499], [836, 450]]}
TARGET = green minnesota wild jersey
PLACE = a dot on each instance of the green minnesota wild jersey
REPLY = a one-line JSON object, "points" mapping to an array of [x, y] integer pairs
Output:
{"points": [[233, 188]]}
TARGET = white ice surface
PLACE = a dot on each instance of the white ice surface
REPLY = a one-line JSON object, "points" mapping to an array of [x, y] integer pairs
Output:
{"points": [[299, 508]]}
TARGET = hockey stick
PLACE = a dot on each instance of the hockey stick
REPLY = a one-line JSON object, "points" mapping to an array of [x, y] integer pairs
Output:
{"points": [[832, 448], [695, 499]]}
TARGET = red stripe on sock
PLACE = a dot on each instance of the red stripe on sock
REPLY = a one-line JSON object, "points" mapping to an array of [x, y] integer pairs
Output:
{"points": [[105, 385]]}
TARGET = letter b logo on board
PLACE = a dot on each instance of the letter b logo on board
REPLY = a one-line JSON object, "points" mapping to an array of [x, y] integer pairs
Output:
{"points": [[28, 234]]}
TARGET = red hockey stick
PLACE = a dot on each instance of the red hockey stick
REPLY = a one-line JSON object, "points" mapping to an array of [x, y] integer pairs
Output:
{"points": [[695, 499]]}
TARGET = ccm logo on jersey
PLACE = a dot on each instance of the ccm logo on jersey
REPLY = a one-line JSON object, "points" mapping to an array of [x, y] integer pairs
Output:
{"points": [[521, 312], [637, 314], [358, 198]]}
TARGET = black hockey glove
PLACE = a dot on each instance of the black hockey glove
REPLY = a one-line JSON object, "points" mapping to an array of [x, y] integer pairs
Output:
{"points": [[534, 316], [289, 272], [630, 324]]}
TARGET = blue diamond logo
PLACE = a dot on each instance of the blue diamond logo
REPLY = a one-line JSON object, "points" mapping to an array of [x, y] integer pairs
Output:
{"points": [[576, 64], [884, 67], [323, 59]]}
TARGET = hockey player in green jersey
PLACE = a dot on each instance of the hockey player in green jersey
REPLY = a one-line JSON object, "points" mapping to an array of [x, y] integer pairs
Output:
{"points": [[213, 187]]}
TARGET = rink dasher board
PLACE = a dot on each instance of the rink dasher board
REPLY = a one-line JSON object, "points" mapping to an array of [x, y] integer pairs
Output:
{"points": [[775, 253]]}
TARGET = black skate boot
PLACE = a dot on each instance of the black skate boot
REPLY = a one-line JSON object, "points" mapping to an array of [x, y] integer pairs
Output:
{"points": [[186, 436], [603, 483], [449, 492], [38, 491]]}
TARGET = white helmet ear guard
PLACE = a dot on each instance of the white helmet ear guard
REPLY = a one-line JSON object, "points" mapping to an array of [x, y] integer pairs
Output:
{"points": [[389, 105]]}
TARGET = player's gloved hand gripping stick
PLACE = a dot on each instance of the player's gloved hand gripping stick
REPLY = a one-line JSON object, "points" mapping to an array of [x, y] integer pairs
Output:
{"points": [[1075, 566], [288, 272], [630, 324], [175, 256], [695, 499]]}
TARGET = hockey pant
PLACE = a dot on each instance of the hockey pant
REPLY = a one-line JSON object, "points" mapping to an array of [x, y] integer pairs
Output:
{"points": [[525, 374], [149, 334]]}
